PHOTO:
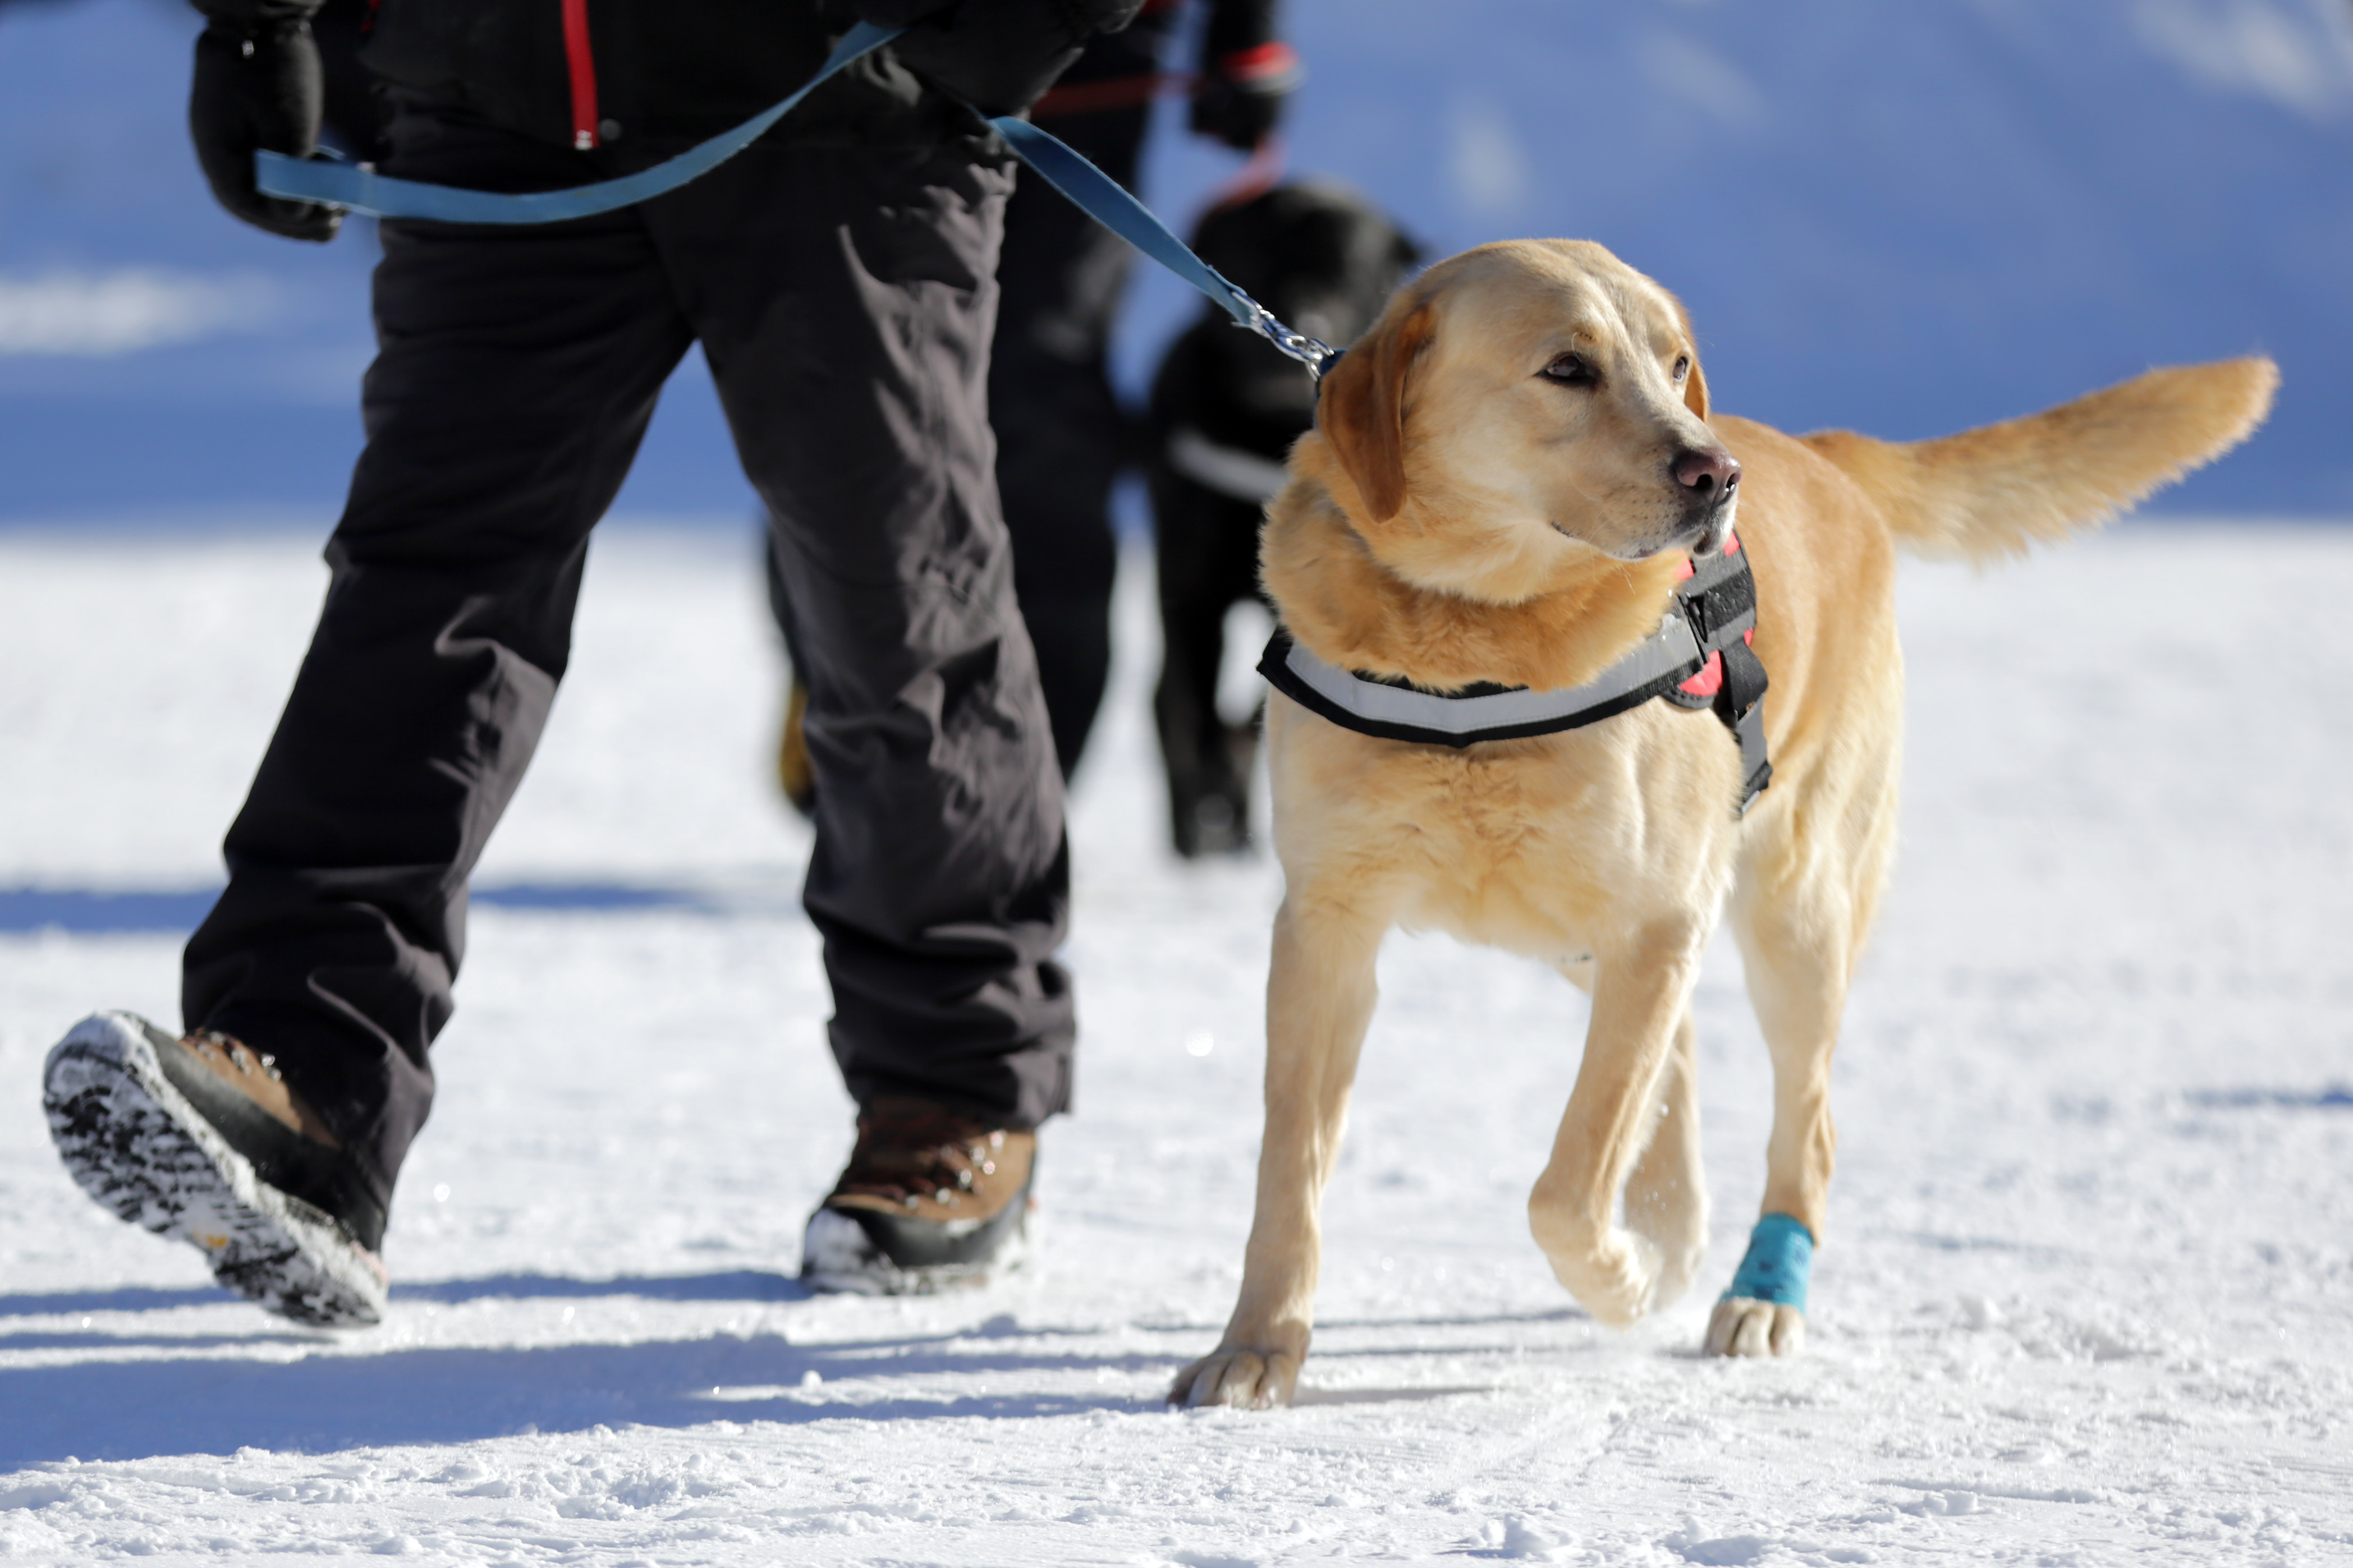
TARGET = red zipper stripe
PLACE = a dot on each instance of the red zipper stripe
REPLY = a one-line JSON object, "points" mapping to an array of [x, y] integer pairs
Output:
{"points": [[582, 64]]}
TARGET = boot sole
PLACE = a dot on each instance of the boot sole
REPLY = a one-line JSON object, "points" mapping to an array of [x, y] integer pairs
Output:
{"points": [[839, 1256], [141, 1150]]}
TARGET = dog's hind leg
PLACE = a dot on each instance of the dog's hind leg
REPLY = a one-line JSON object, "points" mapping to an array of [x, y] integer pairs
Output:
{"points": [[1666, 1196], [1207, 547], [1641, 994], [1319, 1001]]}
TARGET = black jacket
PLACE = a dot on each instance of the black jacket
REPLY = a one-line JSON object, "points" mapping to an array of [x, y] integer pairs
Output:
{"points": [[1233, 27], [665, 72], [643, 78]]}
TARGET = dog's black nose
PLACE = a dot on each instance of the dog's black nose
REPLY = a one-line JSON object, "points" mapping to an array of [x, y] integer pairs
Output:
{"points": [[1709, 475]]}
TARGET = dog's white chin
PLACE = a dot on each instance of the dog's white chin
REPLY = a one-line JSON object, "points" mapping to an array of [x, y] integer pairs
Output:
{"points": [[1718, 532], [1707, 540]]}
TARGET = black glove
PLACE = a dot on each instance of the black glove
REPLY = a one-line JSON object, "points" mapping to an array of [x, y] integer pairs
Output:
{"points": [[258, 85], [1241, 96], [1000, 55]]}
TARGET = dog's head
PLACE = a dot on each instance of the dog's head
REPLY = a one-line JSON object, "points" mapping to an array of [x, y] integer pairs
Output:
{"points": [[1522, 403]]}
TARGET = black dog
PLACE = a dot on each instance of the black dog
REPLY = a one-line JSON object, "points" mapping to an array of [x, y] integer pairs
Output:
{"points": [[1226, 408]]}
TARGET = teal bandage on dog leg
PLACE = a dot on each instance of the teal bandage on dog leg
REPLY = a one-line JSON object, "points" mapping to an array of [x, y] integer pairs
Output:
{"points": [[1780, 1258]]}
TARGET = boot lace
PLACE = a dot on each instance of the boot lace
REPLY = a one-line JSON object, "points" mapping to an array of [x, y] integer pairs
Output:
{"points": [[906, 1154]]}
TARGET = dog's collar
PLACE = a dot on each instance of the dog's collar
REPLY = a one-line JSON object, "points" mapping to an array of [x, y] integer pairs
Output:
{"points": [[1699, 657]]}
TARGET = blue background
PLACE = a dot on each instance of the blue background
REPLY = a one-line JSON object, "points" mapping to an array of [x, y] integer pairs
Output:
{"points": [[1907, 218]]}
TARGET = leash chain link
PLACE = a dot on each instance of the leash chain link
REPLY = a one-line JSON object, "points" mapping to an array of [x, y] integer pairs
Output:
{"points": [[1313, 353]]}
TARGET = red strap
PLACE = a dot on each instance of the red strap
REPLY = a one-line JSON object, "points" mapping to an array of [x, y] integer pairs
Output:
{"points": [[1266, 64], [1111, 92], [1710, 678], [583, 66]]}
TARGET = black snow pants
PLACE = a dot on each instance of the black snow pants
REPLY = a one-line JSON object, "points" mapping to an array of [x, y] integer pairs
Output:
{"points": [[844, 296], [1062, 436]]}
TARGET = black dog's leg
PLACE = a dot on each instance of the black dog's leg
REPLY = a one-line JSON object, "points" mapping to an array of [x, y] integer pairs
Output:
{"points": [[1207, 549]]}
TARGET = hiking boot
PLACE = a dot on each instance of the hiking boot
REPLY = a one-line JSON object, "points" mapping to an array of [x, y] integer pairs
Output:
{"points": [[201, 1139], [931, 1200]]}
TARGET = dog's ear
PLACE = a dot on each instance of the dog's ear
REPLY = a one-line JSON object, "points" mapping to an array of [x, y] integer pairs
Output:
{"points": [[1361, 411]]}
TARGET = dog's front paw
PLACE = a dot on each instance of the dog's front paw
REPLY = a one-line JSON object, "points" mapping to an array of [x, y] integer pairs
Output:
{"points": [[1763, 1313], [1616, 1278], [1742, 1326], [1245, 1379]]}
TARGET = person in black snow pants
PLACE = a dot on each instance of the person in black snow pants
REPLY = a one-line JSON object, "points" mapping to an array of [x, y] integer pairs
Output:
{"points": [[1062, 438], [840, 275]]}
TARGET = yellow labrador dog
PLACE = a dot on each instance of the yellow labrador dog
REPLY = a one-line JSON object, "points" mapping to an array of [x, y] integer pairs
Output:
{"points": [[1509, 478]]}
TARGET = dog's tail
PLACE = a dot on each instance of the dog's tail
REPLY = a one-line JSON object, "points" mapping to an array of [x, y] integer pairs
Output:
{"points": [[1994, 491]]}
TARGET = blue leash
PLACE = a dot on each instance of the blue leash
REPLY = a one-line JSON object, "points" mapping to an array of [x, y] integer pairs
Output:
{"points": [[1104, 199], [334, 183]]}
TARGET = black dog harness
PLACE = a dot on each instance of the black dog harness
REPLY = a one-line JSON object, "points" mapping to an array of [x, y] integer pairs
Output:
{"points": [[1700, 657]]}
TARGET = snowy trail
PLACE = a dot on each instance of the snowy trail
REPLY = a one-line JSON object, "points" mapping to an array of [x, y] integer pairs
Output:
{"points": [[2087, 1298]]}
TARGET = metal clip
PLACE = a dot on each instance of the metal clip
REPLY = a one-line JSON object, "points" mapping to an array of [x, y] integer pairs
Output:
{"points": [[1313, 353]]}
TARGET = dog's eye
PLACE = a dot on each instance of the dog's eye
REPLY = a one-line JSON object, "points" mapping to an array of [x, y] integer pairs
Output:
{"points": [[1572, 370], [1683, 366]]}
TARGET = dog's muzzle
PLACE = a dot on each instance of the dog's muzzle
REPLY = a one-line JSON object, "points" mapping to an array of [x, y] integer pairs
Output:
{"points": [[1707, 482]]}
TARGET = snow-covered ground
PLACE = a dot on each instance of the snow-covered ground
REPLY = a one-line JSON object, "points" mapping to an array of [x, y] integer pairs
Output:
{"points": [[2087, 1299]]}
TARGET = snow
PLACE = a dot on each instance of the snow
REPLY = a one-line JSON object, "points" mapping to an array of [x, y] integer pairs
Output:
{"points": [[2084, 1300]]}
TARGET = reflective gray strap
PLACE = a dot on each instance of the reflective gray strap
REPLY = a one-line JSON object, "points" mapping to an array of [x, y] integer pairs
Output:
{"points": [[1228, 470], [1667, 650]]}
